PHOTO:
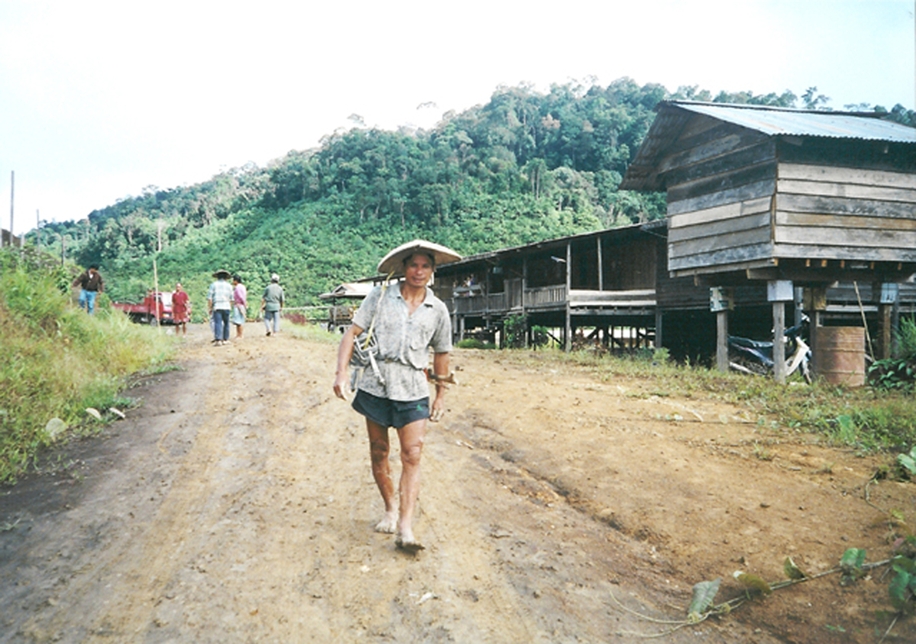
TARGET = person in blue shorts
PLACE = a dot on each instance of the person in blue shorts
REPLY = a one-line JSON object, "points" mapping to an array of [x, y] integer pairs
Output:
{"points": [[398, 323]]}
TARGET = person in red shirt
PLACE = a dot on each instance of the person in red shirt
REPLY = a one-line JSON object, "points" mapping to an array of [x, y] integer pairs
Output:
{"points": [[181, 310]]}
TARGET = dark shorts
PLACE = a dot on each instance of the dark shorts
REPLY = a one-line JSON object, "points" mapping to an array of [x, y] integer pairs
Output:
{"points": [[390, 413]]}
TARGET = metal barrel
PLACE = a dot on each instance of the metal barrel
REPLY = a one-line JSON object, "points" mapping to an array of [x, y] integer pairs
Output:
{"points": [[839, 355]]}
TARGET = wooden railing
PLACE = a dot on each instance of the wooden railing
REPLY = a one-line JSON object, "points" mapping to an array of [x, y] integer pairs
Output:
{"points": [[552, 297], [545, 296], [472, 304], [629, 299], [496, 302], [465, 305]]}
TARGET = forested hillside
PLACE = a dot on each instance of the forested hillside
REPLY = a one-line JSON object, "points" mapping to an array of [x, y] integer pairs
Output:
{"points": [[524, 167]]}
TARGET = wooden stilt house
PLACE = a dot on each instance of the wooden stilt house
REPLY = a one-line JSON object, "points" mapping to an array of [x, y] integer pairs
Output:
{"points": [[785, 198], [602, 281]]}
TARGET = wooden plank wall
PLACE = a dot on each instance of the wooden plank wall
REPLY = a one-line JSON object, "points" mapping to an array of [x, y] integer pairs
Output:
{"points": [[629, 264], [677, 293], [825, 212], [721, 179]]}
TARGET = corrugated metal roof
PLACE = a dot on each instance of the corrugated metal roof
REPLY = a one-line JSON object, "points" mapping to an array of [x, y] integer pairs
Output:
{"points": [[353, 290], [548, 244], [773, 121], [673, 116]]}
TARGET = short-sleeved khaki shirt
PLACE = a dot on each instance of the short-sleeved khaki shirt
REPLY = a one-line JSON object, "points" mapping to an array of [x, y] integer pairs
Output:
{"points": [[404, 341]]}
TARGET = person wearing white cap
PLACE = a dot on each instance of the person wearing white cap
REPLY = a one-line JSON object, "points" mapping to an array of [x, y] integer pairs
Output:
{"points": [[219, 303], [401, 324], [272, 304]]}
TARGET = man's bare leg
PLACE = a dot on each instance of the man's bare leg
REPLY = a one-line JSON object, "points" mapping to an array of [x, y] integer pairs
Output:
{"points": [[381, 472], [411, 437]]}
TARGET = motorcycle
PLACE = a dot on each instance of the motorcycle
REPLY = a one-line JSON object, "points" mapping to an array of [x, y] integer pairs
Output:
{"points": [[756, 356]]}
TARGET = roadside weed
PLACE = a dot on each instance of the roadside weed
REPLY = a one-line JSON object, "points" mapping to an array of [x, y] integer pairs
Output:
{"points": [[59, 361]]}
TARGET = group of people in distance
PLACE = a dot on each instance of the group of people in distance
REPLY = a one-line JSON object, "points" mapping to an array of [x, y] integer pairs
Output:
{"points": [[387, 350], [229, 303], [225, 303]]}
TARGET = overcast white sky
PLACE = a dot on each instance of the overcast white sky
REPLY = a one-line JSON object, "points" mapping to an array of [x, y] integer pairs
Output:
{"points": [[100, 99]]}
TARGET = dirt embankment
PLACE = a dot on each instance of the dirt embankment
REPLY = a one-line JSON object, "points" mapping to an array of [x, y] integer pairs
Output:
{"points": [[236, 504]]}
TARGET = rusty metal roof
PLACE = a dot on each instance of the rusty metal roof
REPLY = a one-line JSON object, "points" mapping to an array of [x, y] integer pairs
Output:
{"points": [[349, 290], [673, 116]]}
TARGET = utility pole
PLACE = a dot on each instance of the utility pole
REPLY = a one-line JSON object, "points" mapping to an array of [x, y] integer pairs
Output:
{"points": [[12, 190], [156, 276]]}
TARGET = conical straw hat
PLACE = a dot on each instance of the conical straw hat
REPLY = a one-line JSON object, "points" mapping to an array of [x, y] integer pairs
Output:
{"points": [[394, 261]]}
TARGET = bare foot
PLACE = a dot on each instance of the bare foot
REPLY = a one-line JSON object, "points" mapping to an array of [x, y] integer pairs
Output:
{"points": [[408, 544], [388, 524]]}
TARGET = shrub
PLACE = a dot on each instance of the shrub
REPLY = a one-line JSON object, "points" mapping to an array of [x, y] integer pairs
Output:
{"points": [[474, 343], [58, 360], [899, 371], [515, 327]]}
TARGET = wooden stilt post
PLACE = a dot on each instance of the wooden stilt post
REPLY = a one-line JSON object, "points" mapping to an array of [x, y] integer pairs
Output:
{"points": [[778, 293], [569, 330], [779, 342], [722, 340], [814, 301], [720, 301], [886, 303]]}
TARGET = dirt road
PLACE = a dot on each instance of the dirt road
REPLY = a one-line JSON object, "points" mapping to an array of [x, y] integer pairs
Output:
{"points": [[235, 504]]}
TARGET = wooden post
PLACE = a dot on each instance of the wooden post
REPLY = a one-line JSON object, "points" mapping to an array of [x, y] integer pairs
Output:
{"points": [[779, 341], [720, 301], [778, 293], [815, 302], [889, 294], [568, 341], [658, 329], [722, 340], [156, 295], [886, 335], [600, 266]]}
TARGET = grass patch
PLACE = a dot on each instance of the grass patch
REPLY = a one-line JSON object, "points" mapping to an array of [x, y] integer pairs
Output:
{"points": [[474, 343], [59, 361], [312, 332]]}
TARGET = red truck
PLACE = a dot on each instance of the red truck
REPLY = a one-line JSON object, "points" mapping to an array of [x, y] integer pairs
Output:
{"points": [[155, 309]]}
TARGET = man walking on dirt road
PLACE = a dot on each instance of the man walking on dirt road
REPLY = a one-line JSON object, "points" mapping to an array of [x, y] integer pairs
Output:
{"points": [[219, 303], [91, 284], [272, 304], [402, 322]]}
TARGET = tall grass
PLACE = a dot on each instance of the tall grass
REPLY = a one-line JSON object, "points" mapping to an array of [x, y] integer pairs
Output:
{"points": [[56, 361]]}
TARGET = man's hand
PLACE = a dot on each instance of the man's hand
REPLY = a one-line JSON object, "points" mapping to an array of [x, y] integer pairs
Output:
{"points": [[437, 411], [341, 385]]}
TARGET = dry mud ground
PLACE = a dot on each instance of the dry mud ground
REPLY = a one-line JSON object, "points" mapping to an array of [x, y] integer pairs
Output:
{"points": [[236, 504]]}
